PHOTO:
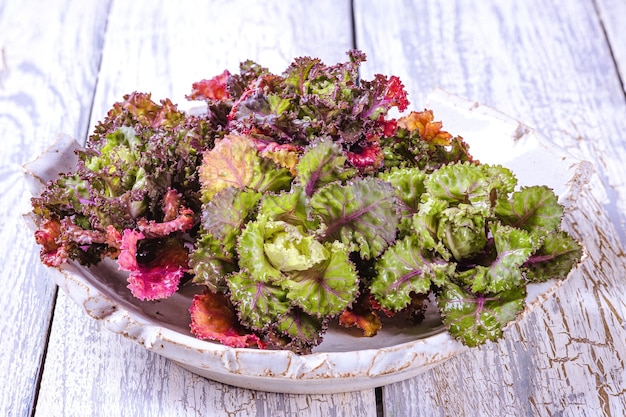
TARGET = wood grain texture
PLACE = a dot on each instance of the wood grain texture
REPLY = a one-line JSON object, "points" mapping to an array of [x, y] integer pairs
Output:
{"points": [[162, 48], [549, 66], [613, 14], [42, 92]]}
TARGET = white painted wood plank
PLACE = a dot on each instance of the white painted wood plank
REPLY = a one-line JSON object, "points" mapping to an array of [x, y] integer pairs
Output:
{"points": [[549, 66], [42, 92], [613, 15], [162, 47]]}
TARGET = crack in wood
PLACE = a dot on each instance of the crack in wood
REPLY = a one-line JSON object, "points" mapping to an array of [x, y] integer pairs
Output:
{"points": [[4, 67]]}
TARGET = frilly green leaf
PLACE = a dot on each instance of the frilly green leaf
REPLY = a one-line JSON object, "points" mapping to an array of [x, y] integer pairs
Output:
{"points": [[513, 248], [409, 185], [476, 318], [363, 212], [531, 208], [327, 288], [470, 183], [270, 176], [288, 248], [556, 257], [251, 250], [425, 225], [269, 248], [258, 303], [322, 163], [290, 207], [303, 331], [404, 269], [226, 214], [210, 263], [462, 230]]}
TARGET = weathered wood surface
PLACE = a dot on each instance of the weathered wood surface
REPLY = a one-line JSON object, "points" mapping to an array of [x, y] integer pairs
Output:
{"points": [[556, 67], [549, 65], [42, 92], [612, 14]]}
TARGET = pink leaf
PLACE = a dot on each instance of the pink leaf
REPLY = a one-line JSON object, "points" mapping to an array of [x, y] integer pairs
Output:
{"points": [[158, 278], [214, 318]]}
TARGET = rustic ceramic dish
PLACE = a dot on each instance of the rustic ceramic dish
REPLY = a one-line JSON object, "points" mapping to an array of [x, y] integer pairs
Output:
{"points": [[344, 361]]}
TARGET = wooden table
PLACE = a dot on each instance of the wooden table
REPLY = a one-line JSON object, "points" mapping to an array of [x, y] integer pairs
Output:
{"points": [[557, 66]]}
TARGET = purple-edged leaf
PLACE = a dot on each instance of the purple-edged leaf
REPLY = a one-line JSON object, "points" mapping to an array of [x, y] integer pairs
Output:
{"points": [[327, 288], [258, 303], [476, 318], [210, 263], [513, 248], [385, 94], [234, 161], [251, 251], [301, 330], [225, 215], [289, 207], [404, 269], [363, 212], [554, 259], [531, 208], [231, 163], [470, 183], [409, 185], [322, 163], [270, 176]]}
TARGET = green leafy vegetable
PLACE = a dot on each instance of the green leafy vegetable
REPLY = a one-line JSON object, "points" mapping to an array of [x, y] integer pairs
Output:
{"points": [[531, 208], [288, 248], [297, 200], [300, 331], [322, 164], [470, 183], [328, 287], [225, 215], [406, 269], [476, 318], [235, 162], [554, 259], [211, 263], [291, 207], [512, 248], [251, 250], [363, 212], [259, 303]]}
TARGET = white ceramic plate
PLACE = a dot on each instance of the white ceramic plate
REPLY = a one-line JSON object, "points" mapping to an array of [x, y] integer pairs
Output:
{"points": [[344, 361]]}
